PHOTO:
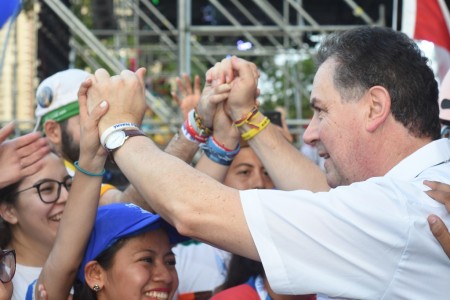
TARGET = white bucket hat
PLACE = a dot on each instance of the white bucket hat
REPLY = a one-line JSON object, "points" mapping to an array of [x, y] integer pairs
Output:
{"points": [[57, 96]]}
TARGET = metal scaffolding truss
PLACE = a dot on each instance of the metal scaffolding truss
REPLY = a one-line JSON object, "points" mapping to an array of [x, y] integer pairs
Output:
{"points": [[271, 28]]}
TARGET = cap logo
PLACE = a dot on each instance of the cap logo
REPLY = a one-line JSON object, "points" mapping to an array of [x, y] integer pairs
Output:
{"points": [[45, 97]]}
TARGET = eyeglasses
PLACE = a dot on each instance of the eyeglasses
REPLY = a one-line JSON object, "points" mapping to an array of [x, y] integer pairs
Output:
{"points": [[7, 265], [49, 190]]}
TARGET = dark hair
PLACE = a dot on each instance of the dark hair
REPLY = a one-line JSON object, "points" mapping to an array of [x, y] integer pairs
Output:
{"points": [[369, 56], [69, 149], [240, 270], [105, 259], [7, 195]]}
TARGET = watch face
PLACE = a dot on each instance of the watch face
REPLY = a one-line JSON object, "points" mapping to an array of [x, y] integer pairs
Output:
{"points": [[115, 140]]}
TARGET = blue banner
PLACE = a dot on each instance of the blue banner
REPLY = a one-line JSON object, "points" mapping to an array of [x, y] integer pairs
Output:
{"points": [[8, 8]]}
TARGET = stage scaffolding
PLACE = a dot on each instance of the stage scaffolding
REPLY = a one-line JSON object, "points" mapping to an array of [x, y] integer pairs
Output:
{"points": [[193, 46]]}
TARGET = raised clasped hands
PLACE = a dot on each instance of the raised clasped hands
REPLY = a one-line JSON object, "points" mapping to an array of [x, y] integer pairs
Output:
{"points": [[230, 92], [124, 93]]}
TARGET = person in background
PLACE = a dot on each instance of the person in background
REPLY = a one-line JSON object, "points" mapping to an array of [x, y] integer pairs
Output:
{"points": [[19, 157], [31, 210]]}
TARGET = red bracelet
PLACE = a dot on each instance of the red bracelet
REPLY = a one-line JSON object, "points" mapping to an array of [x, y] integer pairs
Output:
{"points": [[222, 146]]}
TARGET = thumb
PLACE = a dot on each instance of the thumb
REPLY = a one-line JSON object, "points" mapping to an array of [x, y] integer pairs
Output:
{"points": [[141, 74], [99, 111]]}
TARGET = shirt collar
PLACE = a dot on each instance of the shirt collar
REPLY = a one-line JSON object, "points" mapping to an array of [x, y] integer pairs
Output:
{"points": [[430, 155]]}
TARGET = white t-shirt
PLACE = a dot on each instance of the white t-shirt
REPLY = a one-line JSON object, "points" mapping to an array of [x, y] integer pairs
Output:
{"points": [[200, 266], [23, 277], [369, 240]]}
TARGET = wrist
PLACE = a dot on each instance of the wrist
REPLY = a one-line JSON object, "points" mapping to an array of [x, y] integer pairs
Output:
{"points": [[89, 169], [251, 123], [218, 153], [116, 127], [228, 142]]}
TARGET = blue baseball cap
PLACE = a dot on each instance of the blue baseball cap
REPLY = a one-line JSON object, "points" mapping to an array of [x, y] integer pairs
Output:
{"points": [[120, 220]]}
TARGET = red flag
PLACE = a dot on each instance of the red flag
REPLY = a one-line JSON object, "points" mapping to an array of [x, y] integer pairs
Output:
{"points": [[429, 20]]}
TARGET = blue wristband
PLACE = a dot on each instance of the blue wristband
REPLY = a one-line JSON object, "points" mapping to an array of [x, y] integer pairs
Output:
{"points": [[86, 171], [217, 154]]}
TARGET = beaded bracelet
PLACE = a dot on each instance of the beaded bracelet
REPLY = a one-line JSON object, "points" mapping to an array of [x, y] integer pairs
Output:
{"points": [[219, 153], [257, 129], [199, 124], [77, 166]]}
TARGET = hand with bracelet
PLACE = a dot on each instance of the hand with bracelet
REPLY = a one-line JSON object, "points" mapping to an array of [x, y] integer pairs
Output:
{"points": [[216, 90], [128, 85], [92, 154]]}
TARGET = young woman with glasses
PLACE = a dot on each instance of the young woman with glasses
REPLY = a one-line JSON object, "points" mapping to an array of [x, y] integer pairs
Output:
{"points": [[31, 210]]}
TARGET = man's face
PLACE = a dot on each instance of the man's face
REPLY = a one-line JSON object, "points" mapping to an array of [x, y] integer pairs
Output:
{"points": [[335, 129], [247, 172], [70, 139]]}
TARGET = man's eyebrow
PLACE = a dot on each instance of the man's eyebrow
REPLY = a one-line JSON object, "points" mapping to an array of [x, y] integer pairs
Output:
{"points": [[244, 164]]}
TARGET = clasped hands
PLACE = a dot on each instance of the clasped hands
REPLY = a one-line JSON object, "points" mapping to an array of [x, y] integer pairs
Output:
{"points": [[230, 91]]}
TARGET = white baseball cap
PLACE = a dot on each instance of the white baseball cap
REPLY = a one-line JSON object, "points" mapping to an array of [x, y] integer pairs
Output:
{"points": [[57, 96]]}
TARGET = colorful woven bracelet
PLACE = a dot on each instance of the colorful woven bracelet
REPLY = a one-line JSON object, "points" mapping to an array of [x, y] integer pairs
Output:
{"points": [[77, 166], [218, 153], [248, 117], [254, 131], [193, 133]]}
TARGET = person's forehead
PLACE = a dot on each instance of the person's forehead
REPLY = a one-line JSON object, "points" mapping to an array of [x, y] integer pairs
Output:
{"points": [[246, 156], [323, 84], [53, 168]]}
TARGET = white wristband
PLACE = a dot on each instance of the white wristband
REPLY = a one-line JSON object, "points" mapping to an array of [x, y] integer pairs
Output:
{"points": [[115, 128]]}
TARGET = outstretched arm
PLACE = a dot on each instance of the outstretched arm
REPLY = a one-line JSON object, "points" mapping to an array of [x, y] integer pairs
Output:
{"points": [[59, 271], [21, 156], [200, 207], [441, 193]]}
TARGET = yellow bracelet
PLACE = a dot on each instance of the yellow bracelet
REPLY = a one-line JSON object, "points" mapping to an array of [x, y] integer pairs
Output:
{"points": [[254, 131]]}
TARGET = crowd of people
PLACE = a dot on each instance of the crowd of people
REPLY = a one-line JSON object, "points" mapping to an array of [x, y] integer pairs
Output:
{"points": [[253, 218]]}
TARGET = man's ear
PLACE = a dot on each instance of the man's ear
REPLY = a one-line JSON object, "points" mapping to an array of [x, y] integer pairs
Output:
{"points": [[379, 103], [53, 131], [8, 213], [94, 274]]}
